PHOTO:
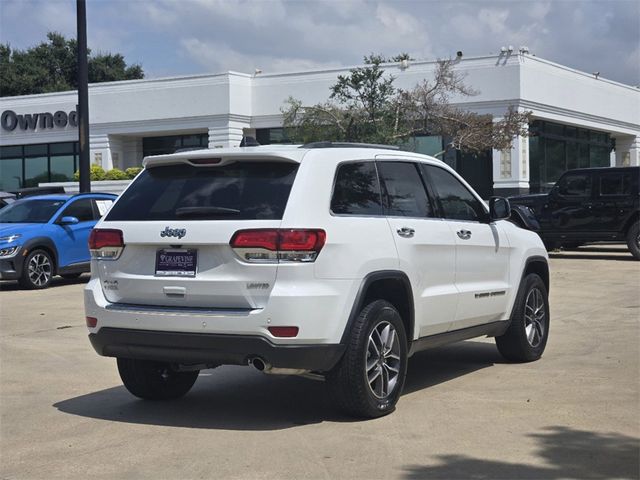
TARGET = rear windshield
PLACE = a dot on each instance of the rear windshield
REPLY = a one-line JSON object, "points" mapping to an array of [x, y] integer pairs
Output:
{"points": [[238, 191]]}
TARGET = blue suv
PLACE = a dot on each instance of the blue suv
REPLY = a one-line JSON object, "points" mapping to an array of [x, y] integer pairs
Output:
{"points": [[47, 235]]}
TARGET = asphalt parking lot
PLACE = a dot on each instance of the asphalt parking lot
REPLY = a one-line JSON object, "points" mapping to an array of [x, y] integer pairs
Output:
{"points": [[465, 412]]}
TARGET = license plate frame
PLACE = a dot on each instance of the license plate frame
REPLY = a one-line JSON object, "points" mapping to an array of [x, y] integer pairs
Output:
{"points": [[176, 262]]}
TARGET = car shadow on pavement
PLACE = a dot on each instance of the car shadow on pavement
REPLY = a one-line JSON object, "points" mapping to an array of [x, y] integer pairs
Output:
{"points": [[432, 367], [565, 453], [240, 398], [12, 285]]}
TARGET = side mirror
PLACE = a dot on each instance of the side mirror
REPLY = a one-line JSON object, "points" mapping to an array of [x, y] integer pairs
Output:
{"points": [[69, 221], [499, 208]]}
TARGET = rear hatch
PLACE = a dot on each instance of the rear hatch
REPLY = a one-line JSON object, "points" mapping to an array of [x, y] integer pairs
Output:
{"points": [[177, 221]]}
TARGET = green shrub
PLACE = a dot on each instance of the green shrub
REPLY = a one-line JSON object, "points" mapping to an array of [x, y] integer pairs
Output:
{"points": [[132, 171], [116, 174], [96, 173]]}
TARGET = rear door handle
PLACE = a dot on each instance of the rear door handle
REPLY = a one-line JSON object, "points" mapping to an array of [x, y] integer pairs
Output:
{"points": [[464, 234], [406, 232]]}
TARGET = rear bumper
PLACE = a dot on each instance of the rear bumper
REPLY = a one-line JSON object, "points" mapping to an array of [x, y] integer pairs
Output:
{"points": [[215, 349]]}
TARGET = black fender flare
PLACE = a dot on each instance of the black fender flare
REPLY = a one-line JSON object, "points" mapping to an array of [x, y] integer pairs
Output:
{"points": [[47, 243], [358, 303], [537, 259], [524, 214]]}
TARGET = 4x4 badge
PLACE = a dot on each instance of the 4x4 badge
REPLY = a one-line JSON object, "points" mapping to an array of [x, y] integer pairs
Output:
{"points": [[173, 232]]}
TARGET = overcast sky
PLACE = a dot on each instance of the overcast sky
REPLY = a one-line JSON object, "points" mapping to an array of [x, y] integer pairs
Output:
{"points": [[184, 37]]}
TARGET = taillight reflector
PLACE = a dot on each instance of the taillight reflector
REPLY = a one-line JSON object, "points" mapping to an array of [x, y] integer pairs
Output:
{"points": [[91, 322], [284, 331], [104, 237]]}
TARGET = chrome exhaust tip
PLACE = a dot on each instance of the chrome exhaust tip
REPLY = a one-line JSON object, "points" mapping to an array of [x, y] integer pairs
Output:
{"points": [[259, 364]]}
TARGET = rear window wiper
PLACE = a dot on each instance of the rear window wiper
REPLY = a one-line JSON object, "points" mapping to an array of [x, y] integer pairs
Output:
{"points": [[204, 211]]}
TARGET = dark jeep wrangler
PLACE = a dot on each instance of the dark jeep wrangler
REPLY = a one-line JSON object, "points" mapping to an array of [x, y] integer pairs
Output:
{"points": [[585, 206]]}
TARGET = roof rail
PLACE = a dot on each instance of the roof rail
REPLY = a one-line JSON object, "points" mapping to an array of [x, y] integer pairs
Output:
{"points": [[327, 144]]}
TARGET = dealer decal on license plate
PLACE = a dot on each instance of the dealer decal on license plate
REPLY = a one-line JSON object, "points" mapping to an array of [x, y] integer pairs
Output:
{"points": [[176, 262]]}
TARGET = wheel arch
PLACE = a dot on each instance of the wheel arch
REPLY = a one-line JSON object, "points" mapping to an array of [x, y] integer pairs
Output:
{"points": [[42, 243], [390, 285], [540, 267], [524, 216], [633, 218]]}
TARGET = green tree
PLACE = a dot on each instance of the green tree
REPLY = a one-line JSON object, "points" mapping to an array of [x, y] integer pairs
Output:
{"points": [[365, 106], [51, 66]]}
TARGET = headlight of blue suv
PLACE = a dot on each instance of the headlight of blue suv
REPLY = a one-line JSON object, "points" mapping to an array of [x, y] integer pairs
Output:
{"points": [[10, 238], [9, 251]]}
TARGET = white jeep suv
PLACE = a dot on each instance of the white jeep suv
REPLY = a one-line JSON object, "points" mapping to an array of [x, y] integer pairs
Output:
{"points": [[337, 261]]}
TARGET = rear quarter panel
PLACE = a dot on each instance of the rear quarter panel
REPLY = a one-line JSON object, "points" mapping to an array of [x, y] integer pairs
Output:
{"points": [[355, 245]]}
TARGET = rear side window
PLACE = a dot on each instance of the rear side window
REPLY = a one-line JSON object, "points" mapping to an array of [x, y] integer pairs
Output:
{"points": [[237, 191], [404, 191], [615, 184], [456, 201], [356, 191]]}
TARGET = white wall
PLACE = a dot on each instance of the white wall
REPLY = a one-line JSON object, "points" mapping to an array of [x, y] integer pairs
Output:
{"points": [[225, 105]]}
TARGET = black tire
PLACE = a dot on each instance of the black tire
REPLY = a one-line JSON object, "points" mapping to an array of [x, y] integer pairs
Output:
{"points": [[515, 344], [70, 276], [37, 270], [151, 380], [348, 382], [633, 240]]}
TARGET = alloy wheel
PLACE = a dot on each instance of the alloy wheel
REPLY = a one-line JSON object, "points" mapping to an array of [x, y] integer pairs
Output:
{"points": [[383, 360], [39, 269], [534, 317]]}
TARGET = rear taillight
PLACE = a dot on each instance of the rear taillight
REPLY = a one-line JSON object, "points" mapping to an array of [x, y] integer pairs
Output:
{"points": [[278, 245], [105, 244]]}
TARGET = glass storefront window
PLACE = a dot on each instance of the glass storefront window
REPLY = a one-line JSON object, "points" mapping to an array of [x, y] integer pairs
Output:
{"points": [[35, 171], [427, 145], [165, 145], [270, 136], [61, 148], [11, 152], [10, 174], [572, 155], [62, 168], [555, 162], [555, 148], [583, 156], [29, 165], [35, 150], [599, 156]]}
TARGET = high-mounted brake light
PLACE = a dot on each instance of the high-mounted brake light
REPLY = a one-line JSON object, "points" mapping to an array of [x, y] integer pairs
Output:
{"points": [[275, 244], [105, 243], [205, 161]]}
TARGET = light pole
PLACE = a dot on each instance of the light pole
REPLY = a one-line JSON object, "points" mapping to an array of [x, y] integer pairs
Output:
{"points": [[83, 97]]}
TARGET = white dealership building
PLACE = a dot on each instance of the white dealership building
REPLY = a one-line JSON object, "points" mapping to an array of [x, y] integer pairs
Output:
{"points": [[579, 120]]}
